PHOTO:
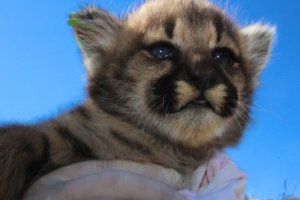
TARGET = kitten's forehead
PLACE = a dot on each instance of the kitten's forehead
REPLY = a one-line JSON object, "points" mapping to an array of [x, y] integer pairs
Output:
{"points": [[186, 22], [155, 12]]}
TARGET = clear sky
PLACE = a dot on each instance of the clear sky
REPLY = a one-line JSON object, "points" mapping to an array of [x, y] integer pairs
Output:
{"points": [[41, 75]]}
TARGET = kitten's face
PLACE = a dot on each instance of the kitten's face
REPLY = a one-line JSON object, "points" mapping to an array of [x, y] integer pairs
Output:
{"points": [[182, 69]]}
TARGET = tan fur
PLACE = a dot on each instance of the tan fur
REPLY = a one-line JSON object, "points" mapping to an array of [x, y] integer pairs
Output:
{"points": [[216, 96], [185, 93]]}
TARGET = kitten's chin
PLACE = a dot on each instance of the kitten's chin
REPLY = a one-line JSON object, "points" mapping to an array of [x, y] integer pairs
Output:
{"points": [[198, 111], [196, 126]]}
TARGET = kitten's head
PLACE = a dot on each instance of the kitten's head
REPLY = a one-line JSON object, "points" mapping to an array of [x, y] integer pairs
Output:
{"points": [[180, 69]]}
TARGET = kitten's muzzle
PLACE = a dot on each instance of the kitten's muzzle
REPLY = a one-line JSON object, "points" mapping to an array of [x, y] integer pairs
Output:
{"points": [[214, 91]]}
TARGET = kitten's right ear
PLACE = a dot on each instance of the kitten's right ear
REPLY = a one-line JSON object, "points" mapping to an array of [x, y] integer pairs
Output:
{"points": [[258, 40], [96, 32]]}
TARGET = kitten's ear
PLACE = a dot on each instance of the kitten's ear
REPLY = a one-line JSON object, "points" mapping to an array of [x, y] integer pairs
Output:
{"points": [[258, 41], [96, 32]]}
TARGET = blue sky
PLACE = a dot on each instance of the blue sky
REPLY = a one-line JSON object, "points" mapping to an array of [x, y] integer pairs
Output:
{"points": [[41, 75]]}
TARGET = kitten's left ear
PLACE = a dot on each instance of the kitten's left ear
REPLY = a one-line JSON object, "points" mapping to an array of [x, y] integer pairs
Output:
{"points": [[96, 32], [258, 39]]}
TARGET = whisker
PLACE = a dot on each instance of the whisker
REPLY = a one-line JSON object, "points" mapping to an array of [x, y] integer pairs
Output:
{"points": [[240, 114], [236, 118], [245, 106]]}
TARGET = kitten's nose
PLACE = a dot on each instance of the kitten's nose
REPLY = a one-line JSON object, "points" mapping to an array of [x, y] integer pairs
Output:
{"points": [[204, 79]]}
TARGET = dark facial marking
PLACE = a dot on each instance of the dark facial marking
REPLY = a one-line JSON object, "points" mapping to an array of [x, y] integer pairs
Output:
{"points": [[222, 23], [164, 91], [230, 102], [219, 25], [169, 28], [164, 96], [232, 97]]}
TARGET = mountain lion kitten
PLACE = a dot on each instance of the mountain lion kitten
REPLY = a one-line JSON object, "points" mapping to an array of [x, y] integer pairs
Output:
{"points": [[168, 84]]}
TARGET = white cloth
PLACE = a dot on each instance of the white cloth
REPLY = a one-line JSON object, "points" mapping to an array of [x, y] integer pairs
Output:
{"points": [[218, 179]]}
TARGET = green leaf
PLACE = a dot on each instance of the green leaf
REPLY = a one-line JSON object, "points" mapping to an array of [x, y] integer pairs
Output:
{"points": [[80, 24]]}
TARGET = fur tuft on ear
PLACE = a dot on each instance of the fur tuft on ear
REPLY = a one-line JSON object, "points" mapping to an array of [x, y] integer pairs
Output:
{"points": [[258, 40], [96, 32]]}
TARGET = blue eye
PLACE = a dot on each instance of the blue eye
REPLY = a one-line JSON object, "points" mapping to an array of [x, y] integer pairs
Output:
{"points": [[162, 51], [223, 56]]}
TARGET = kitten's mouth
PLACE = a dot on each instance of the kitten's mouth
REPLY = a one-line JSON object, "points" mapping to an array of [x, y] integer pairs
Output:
{"points": [[220, 99], [196, 103], [224, 109]]}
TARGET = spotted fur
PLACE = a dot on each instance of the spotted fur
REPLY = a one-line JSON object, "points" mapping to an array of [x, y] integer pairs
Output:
{"points": [[172, 112]]}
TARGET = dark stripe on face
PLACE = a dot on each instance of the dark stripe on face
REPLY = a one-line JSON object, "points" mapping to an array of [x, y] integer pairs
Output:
{"points": [[164, 90], [134, 145], [193, 14], [224, 25], [169, 28], [80, 149], [165, 97], [209, 14], [219, 25]]}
